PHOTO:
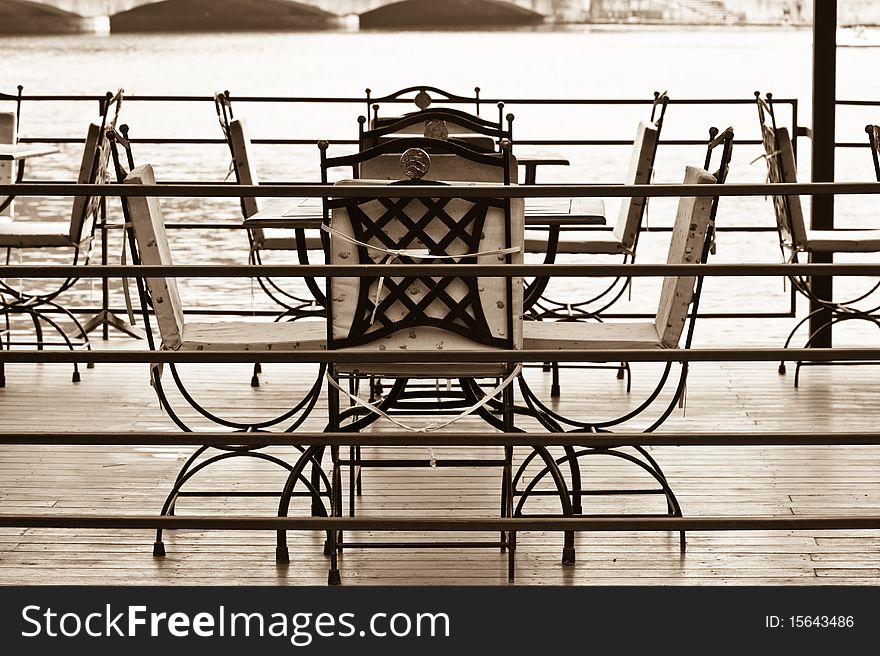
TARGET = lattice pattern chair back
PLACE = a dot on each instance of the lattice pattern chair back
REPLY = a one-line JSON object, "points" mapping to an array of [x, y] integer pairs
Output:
{"points": [[874, 141], [421, 313], [782, 167], [688, 245], [146, 219]]}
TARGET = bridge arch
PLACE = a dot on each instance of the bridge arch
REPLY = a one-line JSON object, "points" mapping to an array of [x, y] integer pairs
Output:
{"points": [[23, 16], [448, 13], [191, 15]]}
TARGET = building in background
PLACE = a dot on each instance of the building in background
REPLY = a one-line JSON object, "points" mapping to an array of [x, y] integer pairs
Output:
{"points": [[769, 12]]}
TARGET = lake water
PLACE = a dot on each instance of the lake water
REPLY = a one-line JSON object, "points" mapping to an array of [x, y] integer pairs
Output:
{"points": [[563, 62]]}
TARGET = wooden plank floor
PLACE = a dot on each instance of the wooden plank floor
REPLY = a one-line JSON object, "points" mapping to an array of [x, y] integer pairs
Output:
{"points": [[708, 480]]}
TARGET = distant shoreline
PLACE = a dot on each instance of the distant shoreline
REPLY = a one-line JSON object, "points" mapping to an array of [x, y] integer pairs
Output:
{"points": [[549, 25]]}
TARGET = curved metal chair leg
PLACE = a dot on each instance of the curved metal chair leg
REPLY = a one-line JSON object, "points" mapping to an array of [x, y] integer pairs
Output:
{"points": [[38, 329], [282, 554], [171, 499], [791, 335], [551, 467], [300, 410], [183, 470], [37, 317], [673, 507], [838, 318], [575, 470], [335, 537]]}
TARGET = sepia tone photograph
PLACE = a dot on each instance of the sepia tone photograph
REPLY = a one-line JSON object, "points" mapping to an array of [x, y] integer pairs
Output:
{"points": [[439, 293]]}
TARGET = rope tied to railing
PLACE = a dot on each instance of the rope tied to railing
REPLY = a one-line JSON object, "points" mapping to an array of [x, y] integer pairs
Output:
{"points": [[767, 157]]}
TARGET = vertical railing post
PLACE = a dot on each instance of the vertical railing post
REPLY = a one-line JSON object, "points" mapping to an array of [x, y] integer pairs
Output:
{"points": [[824, 128]]}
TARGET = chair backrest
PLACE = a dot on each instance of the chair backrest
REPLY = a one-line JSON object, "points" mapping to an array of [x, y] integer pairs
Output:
{"points": [[16, 98], [422, 98], [874, 141], [421, 313], [719, 141], [243, 166], [641, 167], [640, 171], [119, 140], [92, 170], [8, 128], [245, 169], [451, 121], [691, 234], [443, 167], [8, 135], [448, 160], [148, 226], [781, 167]]}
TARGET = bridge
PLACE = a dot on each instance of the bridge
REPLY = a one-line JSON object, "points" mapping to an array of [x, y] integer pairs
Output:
{"points": [[125, 15]]}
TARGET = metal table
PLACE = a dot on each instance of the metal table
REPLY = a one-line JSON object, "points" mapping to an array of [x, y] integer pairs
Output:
{"points": [[18, 153]]}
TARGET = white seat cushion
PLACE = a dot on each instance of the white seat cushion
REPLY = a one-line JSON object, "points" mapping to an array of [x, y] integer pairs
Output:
{"points": [[564, 335], [255, 336], [34, 234], [599, 242], [843, 241]]}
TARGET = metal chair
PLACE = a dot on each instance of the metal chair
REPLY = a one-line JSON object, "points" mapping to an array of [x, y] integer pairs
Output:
{"points": [[620, 240], [415, 314], [691, 240], [796, 239], [295, 304], [75, 236], [149, 246]]}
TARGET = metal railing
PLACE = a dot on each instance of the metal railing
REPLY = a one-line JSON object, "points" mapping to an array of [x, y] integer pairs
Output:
{"points": [[363, 103], [702, 523]]}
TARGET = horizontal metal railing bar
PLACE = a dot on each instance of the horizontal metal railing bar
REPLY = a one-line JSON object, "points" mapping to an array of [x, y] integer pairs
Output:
{"points": [[442, 439], [468, 524], [365, 356], [337, 142], [404, 101], [218, 183], [253, 312], [588, 228], [444, 191], [635, 270]]}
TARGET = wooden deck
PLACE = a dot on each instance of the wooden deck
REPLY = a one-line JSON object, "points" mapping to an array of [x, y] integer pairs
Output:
{"points": [[708, 481]]}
